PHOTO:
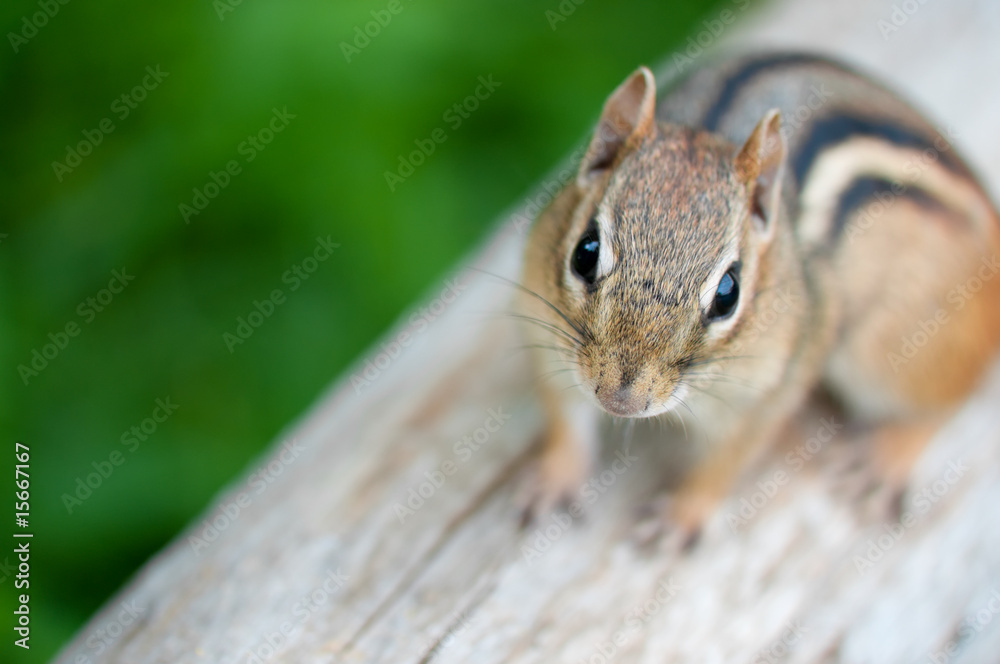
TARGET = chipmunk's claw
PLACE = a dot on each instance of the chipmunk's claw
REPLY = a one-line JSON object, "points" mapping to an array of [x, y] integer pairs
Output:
{"points": [[873, 471], [554, 481], [666, 521]]}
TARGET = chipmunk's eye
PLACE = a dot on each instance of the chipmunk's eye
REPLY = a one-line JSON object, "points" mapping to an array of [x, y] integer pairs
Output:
{"points": [[727, 295], [587, 255]]}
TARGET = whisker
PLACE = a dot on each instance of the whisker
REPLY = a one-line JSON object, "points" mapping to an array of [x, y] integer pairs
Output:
{"points": [[720, 378], [711, 360], [580, 329], [710, 394], [548, 326], [683, 423], [627, 437], [723, 378], [515, 350], [701, 425], [565, 355], [560, 349], [549, 374]]}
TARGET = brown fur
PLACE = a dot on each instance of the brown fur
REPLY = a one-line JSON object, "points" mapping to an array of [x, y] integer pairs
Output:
{"points": [[675, 205]]}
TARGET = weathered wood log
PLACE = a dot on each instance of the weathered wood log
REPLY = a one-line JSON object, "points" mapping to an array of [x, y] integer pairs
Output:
{"points": [[391, 532]]}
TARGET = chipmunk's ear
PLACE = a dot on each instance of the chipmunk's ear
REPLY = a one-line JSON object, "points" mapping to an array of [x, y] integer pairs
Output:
{"points": [[761, 165], [628, 117]]}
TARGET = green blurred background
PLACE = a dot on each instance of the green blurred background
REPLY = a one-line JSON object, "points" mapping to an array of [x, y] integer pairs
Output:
{"points": [[162, 336]]}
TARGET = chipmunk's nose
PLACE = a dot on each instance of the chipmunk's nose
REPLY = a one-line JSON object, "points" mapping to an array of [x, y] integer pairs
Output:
{"points": [[625, 401]]}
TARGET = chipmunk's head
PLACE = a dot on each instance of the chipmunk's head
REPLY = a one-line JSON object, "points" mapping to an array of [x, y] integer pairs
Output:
{"points": [[661, 257]]}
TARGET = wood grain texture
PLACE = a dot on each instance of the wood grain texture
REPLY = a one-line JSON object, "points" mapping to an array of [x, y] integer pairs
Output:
{"points": [[323, 565]]}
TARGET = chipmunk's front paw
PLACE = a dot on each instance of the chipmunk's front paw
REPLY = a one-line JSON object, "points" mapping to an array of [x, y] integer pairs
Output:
{"points": [[675, 521], [873, 470], [555, 479], [864, 484]]}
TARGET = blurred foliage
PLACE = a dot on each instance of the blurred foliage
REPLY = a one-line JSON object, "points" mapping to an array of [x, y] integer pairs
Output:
{"points": [[62, 235]]}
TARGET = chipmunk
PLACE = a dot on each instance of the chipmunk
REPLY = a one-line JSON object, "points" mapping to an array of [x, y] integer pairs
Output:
{"points": [[774, 223]]}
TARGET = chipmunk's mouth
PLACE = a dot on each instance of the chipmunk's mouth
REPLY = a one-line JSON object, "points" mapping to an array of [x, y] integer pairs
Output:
{"points": [[671, 403]]}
